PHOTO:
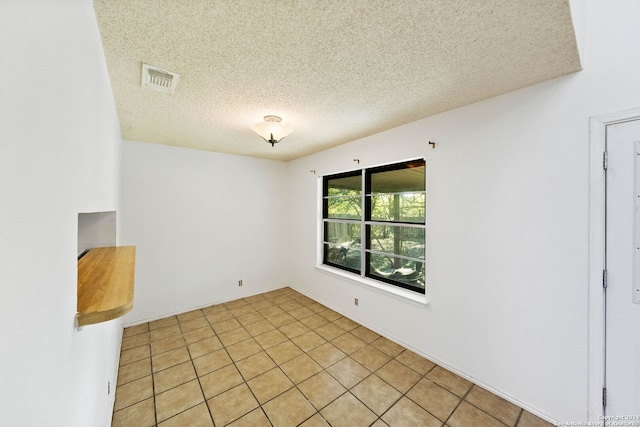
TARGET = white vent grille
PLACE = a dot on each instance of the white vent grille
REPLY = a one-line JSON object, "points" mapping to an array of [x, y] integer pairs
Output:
{"points": [[158, 79]]}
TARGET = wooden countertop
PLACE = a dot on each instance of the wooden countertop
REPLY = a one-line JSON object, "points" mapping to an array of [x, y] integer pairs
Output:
{"points": [[105, 284]]}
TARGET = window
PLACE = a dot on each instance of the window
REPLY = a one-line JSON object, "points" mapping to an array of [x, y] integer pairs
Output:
{"points": [[388, 216]]}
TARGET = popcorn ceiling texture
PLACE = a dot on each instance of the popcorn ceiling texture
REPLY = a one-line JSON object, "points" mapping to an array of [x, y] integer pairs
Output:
{"points": [[336, 70]]}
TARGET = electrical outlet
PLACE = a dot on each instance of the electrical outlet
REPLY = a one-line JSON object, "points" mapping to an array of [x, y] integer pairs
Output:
{"points": [[108, 388], [240, 283], [355, 301]]}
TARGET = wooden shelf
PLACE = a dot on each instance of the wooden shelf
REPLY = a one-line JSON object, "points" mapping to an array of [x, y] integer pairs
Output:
{"points": [[105, 284]]}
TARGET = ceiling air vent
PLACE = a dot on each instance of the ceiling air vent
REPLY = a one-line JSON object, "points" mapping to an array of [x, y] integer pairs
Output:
{"points": [[158, 79]]}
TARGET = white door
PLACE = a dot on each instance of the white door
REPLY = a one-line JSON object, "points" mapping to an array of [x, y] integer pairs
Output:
{"points": [[623, 271]]}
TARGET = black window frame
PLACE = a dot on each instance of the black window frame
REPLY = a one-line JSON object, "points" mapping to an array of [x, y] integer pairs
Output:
{"points": [[366, 223]]}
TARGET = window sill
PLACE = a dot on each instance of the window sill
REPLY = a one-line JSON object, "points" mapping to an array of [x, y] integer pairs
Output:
{"points": [[398, 293]]}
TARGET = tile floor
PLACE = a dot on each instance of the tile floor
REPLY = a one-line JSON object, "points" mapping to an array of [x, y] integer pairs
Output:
{"points": [[281, 359]]}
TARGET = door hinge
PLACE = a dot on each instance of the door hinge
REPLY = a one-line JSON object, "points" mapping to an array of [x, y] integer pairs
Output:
{"points": [[604, 397], [605, 160], [604, 279]]}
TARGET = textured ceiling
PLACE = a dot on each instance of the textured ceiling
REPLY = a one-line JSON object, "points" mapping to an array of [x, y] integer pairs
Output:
{"points": [[336, 70]]}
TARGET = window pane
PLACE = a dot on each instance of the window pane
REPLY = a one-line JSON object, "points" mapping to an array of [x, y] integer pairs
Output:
{"points": [[397, 240], [407, 177], [344, 186], [409, 274], [342, 244], [342, 256], [344, 207], [401, 207], [343, 197]]}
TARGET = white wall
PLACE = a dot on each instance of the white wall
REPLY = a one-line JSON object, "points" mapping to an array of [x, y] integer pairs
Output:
{"points": [[507, 224], [201, 222], [59, 155]]}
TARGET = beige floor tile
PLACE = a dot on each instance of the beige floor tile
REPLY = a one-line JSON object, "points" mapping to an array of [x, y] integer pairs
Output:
{"points": [[133, 392], [170, 358], [415, 362], [232, 404], [134, 354], [365, 334], [282, 320], [198, 416], [300, 368], [134, 370], [189, 315], [347, 411], [346, 323], [283, 352], [240, 311], [327, 354], [434, 398], [494, 405], [141, 414], [294, 329], [387, 346], [173, 377], [259, 328], [316, 307], [219, 381], [270, 338], [330, 315], [255, 418], [301, 313], [447, 379], [254, 298], [135, 340], [162, 333], [250, 318], [269, 385], [166, 344], [134, 330], [163, 323], [211, 362], [314, 321], [371, 358], [203, 347], [213, 309], [178, 399], [219, 317], [315, 421], [376, 394], [398, 375], [290, 306], [271, 312], [199, 334], [321, 389], [225, 326], [468, 415], [406, 413], [243, 349], [308, 341], [255, 365], [236, 303], [348, 343], [379, 423], [330, 331], [289, 409], [261, 305], [191, 324], [234, 336], [348, 372], [529, 420]]}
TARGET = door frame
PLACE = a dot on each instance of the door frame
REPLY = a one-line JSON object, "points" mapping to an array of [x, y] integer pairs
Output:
{"points": [[597, 241]]}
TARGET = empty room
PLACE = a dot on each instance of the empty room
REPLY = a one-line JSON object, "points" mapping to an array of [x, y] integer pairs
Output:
{"points": [[320, 213]]}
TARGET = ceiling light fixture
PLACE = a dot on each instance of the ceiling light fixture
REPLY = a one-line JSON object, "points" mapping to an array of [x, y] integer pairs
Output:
{"points": [[273, 129]]}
